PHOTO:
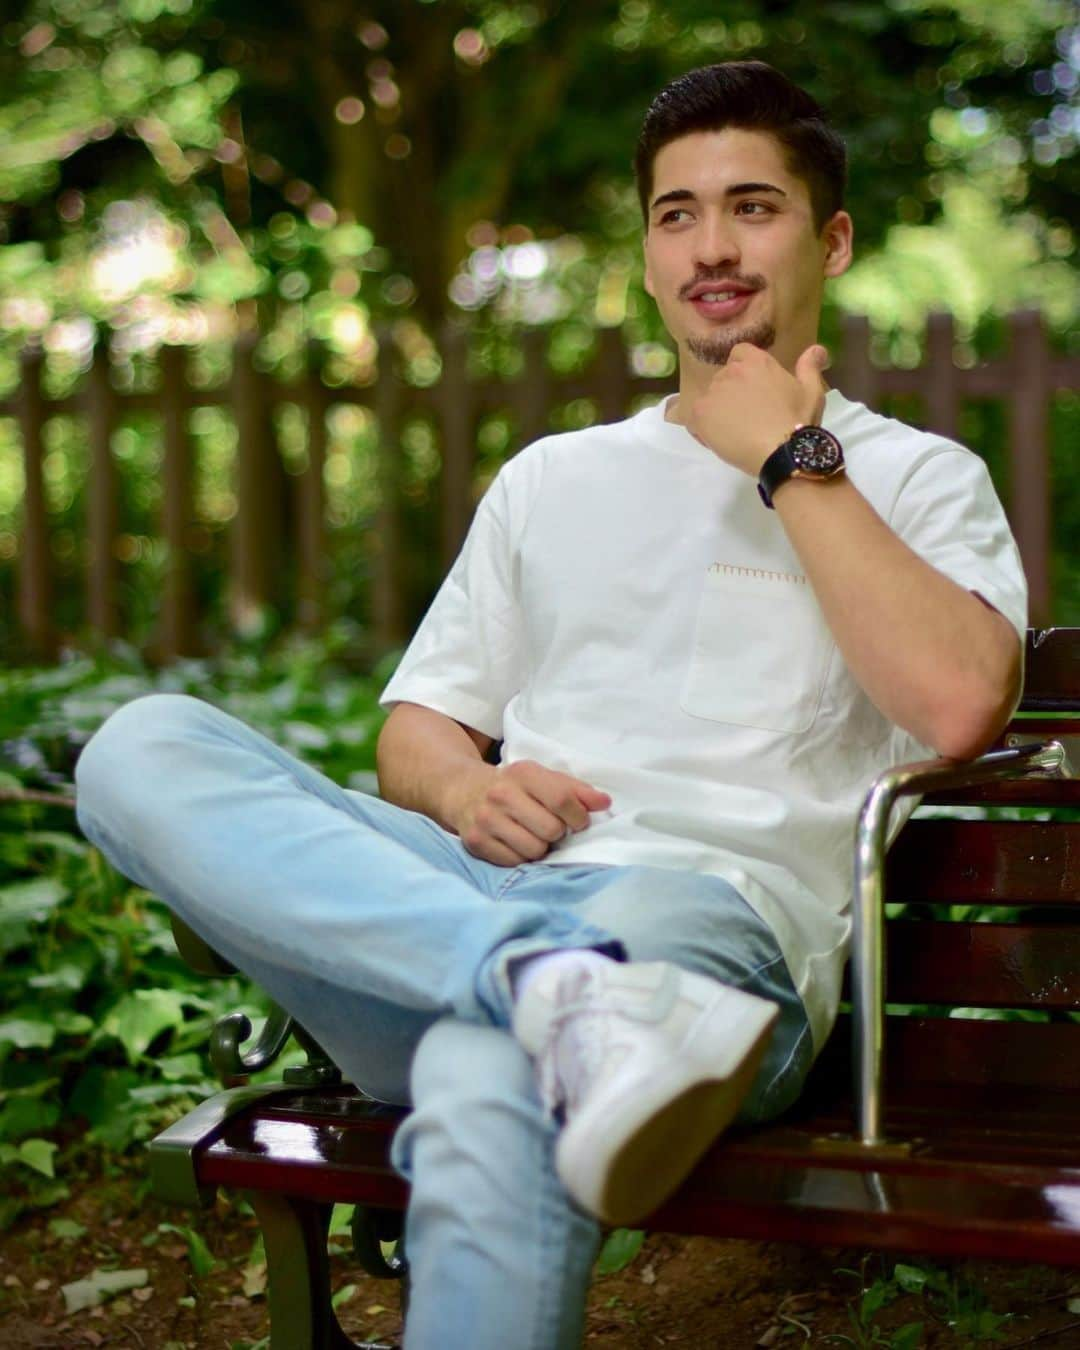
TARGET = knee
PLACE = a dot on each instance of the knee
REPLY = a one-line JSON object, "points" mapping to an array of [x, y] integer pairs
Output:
{"points": [[131, 749], [469, 1062], [475, 1098]]}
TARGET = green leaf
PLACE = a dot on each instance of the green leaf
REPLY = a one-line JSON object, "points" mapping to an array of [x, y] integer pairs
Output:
{"points": [[25, 1033], [176, 1068], [66, 1229], [38, 1154], [58, 841], [619, 1250], [909, 1337], [70, 1023], [910, 1278], [68, 978], [873, 1299], [199, 1254], [143, 1015], [101, 1093], [23, 903], [46, 1193], [27, 1115]]}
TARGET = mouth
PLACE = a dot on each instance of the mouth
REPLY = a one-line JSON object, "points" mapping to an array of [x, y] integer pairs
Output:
{"points": [[720, 301]]}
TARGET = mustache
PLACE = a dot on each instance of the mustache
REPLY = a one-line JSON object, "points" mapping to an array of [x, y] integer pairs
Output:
{"points": [[753, 280]]}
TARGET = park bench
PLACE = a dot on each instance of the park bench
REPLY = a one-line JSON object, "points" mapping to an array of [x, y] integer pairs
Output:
{"points": [[954, 1134]]}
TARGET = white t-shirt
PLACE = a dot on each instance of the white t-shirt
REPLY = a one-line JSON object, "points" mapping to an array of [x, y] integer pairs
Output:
{"points": [[626, 610]]}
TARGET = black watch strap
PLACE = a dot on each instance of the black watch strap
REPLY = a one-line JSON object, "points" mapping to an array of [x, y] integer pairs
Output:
{"points": [[777, 469]]}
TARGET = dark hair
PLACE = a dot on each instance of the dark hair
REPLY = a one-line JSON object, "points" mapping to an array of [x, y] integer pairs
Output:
{"points": [[751, 96]]}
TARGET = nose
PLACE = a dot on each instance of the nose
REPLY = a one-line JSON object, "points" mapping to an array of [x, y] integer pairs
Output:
{"points": [[715, 243]]}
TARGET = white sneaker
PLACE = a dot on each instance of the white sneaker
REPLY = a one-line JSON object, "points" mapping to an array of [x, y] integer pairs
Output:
{"points": [[646, 1064]]}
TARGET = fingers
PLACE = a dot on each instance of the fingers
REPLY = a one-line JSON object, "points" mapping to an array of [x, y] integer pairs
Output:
{"points": [[808, 371], [527, 809], [498, 838], [562, 796]]}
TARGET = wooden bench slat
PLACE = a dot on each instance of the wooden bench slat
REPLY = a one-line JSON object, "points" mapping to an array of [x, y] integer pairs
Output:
{"points": [[923, 1054], [1023, 792], [984, 965], [945, 1215], [1052, 669], [967, 861], [343, 1160]]}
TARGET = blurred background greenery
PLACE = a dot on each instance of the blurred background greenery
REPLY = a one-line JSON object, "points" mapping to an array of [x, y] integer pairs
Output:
{"points": [[181, 171]]}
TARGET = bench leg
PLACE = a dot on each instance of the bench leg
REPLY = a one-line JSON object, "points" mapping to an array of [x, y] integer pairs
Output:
{"points": [[298, 1274]]}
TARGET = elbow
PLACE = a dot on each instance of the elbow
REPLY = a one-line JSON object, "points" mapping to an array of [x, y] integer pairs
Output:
{"points": [[966, 740], [974, 720]]}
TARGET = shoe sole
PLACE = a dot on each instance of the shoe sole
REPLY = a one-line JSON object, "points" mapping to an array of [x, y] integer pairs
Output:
{"points": [[691, 1109]]}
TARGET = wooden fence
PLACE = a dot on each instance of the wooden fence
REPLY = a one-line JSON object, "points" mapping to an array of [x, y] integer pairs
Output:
{"points": [[1026, 378]]}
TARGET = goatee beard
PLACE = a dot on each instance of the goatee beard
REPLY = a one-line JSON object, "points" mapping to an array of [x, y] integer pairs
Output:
{"points": [[715, 351]]}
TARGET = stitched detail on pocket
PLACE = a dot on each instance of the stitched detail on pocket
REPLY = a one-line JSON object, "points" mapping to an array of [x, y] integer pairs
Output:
{"points": [[761, 650], [761, 573]]}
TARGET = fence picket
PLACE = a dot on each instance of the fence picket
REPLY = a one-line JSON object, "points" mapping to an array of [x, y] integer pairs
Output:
{"points": [[942, 378], [177, 636], [387, 600], [102, 504], [1029, 441], [256, 534], [458, 443], [311, 526], [35, 569]]}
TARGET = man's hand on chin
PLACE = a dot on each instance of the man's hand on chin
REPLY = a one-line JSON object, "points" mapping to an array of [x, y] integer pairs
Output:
{"points": [[753, 404]]}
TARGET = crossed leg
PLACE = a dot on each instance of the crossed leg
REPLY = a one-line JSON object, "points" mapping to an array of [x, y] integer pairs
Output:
{"points": [[384, 938]]}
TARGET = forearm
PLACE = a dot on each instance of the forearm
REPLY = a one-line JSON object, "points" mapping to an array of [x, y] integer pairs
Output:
{"points": [[427, 762], [935, 659]]}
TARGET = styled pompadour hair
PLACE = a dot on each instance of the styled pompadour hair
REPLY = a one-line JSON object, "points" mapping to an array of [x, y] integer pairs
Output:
{"points": [[751, 96]]}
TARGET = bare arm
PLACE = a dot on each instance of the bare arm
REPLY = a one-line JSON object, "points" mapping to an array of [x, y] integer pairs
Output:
{"points": [[506, 814], [934, 657]]}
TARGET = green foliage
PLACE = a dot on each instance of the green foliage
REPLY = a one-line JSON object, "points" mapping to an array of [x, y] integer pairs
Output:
{"points": [[950, 1300], [620, 1248], [103, 1028], [199, 1254]]}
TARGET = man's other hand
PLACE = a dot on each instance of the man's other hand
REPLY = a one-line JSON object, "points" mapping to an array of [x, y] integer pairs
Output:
{"points": [[513, 813]]}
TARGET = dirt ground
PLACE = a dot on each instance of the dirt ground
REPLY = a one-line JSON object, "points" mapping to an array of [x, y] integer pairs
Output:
{"points": [[695, 1292]]}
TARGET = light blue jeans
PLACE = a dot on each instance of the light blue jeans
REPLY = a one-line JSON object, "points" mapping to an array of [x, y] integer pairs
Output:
{"points": [[392, 945]]}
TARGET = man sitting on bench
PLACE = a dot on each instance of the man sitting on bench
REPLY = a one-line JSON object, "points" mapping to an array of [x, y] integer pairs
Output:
{"points": [[699, 634]]}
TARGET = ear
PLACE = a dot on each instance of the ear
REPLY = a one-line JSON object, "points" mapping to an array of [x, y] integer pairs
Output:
{"points": [[838, 236]]}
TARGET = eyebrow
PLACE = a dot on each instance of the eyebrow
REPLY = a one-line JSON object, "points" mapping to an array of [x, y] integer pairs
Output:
{"points": [[735, 190]]}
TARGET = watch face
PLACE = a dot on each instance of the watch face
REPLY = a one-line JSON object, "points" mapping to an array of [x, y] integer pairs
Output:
{"points": [[815, 450]]}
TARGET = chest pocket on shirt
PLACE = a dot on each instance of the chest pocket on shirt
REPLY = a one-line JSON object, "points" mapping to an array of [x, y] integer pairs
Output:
{"points": [[761, 650]]}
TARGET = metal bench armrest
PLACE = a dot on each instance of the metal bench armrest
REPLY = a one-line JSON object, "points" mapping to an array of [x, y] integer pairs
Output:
{"points": [[227, 1040], [868, 915]]}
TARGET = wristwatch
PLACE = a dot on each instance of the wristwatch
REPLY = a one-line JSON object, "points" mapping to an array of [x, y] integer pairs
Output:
{"points": [[809, 452]]}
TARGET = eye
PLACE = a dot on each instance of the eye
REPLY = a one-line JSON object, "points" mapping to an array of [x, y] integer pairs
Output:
{"points": [[753, 208], [669, 216]]}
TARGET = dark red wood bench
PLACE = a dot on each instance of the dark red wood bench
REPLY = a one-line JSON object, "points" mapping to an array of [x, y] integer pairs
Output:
{"points": [[949, 1135]]}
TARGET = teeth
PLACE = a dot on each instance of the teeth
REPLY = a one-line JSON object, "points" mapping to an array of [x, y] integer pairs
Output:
{"points": [[718, 295]]}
